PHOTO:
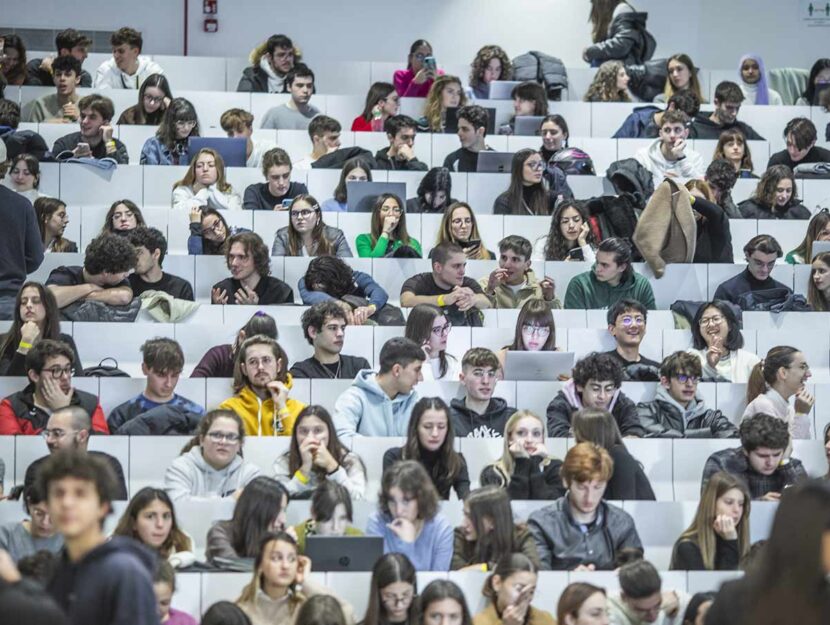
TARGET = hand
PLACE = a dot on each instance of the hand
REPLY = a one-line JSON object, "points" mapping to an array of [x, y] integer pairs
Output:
{"points": [[324, 459], [307, 449], [671, 603], [771, 496], [361, 314], [403, 529], [70, 111], [246, 295], [8, 570], [237, 493], [279, 393], [218, 296], [585, 567], [466, 298], [585, 55], [678, 148], [29, 333], [107, 133], [82, 150], [46, 63], [548, 288], [517, 450], [405, 153], [195, 215], [303, 568], [514, 614], [427, 350], [291, 532], [715, 352], [582, 237], [496, 277], [279, 206], [390, 222], [165, 103], [53, 395], [421, 76], [803, 401], [724, 527]]}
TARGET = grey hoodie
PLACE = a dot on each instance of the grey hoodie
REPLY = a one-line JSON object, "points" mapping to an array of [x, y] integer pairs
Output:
{"points": [[191, 477], [365, 409]]}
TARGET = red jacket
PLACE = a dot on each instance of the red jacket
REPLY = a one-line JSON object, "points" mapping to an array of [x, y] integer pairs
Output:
{"points": [[361, 125], [19, 415]]}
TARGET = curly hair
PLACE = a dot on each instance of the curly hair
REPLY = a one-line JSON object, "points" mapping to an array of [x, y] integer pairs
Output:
{"points": [[557, 246], [331, 275], [763, 430], [109, 253], [434, 109], [316, 316], [599, 367], [604, 87], [482, 60], [412, 479], [765, 191], [252, 244]]}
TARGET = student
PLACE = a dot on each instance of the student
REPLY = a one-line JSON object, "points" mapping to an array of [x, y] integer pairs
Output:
{"points": [[379, 404], [218, 361], [681, 76], [535, 330], [596, 383], [510, 590], [61, 106], [554, 132], [434, 194], [610, 84], [330, 278], [528, 193], [306, 234], [570, 238], [669, 156], [162, 363], [150, 250], [204, 184], [526, 469], [416, 80], [270, 63], [382, 102], [718, 344], [472, 129], [18, 141], [641, 598], [324, 132], [239, 123], [400, 131], [409, 520], [618, 32], [818, 290], [761, 252], [676, 410], [278, 188], [697, 608], [479, 414], [427, 326], [211, 465], [627, 324], [13, 62], [169, 145], [753, 82], [491, 64], [126, 69], [579, 531], [67, 42], [324, 327], [296, 113], [445, 93], [164, 586], [330, 514], [25, 538], [819, 77], [250, 283], [732, 146], [728, 99], [154, 96], [529, 99], [209, 231], [780, 376], [122, 218], [52, 221], [582, 603], [459, 226], [447, 287], [24, 176], [442, 601], [721, 178], [355, 169], [776, 197], [817, 230], [611, 279], [388, 235], [393, 592], [430, 440], [759, 462], [95, 138], [800, 135], [261, 385]]}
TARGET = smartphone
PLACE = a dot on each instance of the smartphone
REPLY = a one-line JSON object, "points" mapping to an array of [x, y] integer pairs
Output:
{"points": [[286, 203], [430, 64], [84, 147]]}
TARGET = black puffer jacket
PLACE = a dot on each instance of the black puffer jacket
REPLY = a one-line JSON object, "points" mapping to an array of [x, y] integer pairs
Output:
{"points": [[647, 80], [161, 420], [752, 209], [254, 79], [628, 41]]}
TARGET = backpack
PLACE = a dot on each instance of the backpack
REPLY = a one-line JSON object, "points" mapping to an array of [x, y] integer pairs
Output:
{"points": [[102, 370], [542, 68]]}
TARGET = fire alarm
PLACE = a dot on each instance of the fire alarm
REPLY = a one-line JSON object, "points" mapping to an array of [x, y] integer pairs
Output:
{"points": [[209, 7], [211, 25]]}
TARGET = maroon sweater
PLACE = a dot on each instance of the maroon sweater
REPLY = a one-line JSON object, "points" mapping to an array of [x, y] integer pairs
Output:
{"points": [[216, 363]]}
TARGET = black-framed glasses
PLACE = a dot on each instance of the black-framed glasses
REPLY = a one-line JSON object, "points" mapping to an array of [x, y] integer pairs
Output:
{"points": [[218, 437], [303, 213], [57, 372]]}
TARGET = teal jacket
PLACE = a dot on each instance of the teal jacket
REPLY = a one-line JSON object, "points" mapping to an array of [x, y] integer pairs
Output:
{"points": [[586, 292]]}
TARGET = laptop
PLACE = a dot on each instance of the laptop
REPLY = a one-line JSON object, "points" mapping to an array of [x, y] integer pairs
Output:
{"points": [[544, 366], [819, 247], [527, 125], [494, 162], [362, 195], [451, 120], [503, 89], [343, 553], [231, 149]]}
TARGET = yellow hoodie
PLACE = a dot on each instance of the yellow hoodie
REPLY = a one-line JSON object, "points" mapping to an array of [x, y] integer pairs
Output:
{"points": [[260, 417]]}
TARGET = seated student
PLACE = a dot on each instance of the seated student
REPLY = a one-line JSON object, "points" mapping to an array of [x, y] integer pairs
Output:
{"points": [[761, 252], [61, 106], [479, 414], [728, 99], [555, 134], [24, 176], [204, 184], [627, 324], [681, 75], [52, 221], [535, 330], [459, 226], [126, 69], [261, 385], [356, 169], [68, 42], [491, 63], [721, 178], [434, 194], [150, 249], [95, 138], [579, 531], [760, 461], [306, 234], [162, 363], [676, 410], [754, 84], [122, 218], [239, 123], [164, 586], [20, 539], [817, 230], [596, 383], [218, 361], [641, 598], [714, 237], [250, 283], [732, 146], [169, 145], [718, 344], [324, 132], [324, 327], [529, 192], [154, 96], [330, 278], [445, 93], [330, 514], [388, 236], [18, 141], [400, 131], [780, 376], [582, 603], [409, 520], [570, 237], [296, 113], [800, 135], [611, 279], [270, 63], [472, 130], [209, 231], [315, 455], [379, 404], [514, 283], [427, 326], [393, 591], [610, 84], [416, 80], [669, 155], [510, 590], [645, 121], [818, 290], [525, 468], [775, 197], [278, 188], [819, 76], [382, 102], [529, 99]]}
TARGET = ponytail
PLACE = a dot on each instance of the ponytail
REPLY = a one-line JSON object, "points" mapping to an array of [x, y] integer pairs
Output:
{"points": [[765, 373], [756, 385]]}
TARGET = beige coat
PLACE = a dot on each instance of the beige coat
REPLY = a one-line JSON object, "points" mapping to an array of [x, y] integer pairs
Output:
{"points": [[667, 231]]}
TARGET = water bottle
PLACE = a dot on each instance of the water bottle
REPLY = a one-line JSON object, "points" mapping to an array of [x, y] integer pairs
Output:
{"points": [[377, 120]]}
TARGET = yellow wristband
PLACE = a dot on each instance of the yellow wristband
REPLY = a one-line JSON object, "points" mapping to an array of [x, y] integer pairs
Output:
{"points": [[299, 475], [484, 567], [441, 302], [24, 345]]}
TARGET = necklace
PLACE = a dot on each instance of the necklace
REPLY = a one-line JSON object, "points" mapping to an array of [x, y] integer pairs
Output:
{"points": [[336, 374]]}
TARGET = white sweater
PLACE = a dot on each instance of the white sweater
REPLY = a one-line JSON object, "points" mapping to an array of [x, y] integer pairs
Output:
{"points": [[772, 403], [736, 368], [184, 197], [751, 92], [652, 159], [109, 76]]}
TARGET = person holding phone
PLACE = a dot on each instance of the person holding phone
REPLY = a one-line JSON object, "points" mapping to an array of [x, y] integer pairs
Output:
{"points": [[95, 139], [278, 190], [421, 70], [459, 226]]}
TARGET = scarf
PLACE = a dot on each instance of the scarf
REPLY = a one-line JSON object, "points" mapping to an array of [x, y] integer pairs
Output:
{"points": [[275, 82]]}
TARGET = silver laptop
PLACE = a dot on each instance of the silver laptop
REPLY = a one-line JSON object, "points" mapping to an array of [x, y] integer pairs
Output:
{"points": [[542, 366], [362, 194], [503, 89], [494, 162], [344, 553], [528, 125]]}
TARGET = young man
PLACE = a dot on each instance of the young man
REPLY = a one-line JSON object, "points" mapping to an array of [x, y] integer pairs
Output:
{"points": [[669, 156], [721, 176], [297, 112], [801, 136], [268, 76], [728, 99], [478, 414], [760, 252], [514, 282], [676, 411], [49, 370], [627, 324], [68, 42], [61, 106], [95, 139], [611, 279], [324, 133], [126, 69], [379, 404], [98, 580], [18, 141], [324, 327], [447, 287], [640, 599], [161, 409], [250, 283], [103, 277], [579, 531], [759, 461], [645, 121], [596, 383], [472, 130], [400, 131], [150, 249], [239, 123]]}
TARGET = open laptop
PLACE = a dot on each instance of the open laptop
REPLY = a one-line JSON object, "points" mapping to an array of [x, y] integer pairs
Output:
{"points": [[362, 194], [451, 120], [494, 162], [544, 366], [343, 553], [503, 89], [819, 247], [231, 149], [527, 125]]}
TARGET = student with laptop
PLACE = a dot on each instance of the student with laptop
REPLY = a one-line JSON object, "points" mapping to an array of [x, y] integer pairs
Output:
{"points": [[478, 414], [204, 184], [535, 331], [169, 146], [238, 123], [472, 130], [297, 112]]}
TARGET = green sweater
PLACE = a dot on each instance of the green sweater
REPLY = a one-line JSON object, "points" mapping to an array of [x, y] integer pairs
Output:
{"points": [[363, 243], [586, 292]]}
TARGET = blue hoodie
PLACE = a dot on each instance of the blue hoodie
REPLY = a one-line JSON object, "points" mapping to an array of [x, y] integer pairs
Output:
{"points": [[365, 409]]}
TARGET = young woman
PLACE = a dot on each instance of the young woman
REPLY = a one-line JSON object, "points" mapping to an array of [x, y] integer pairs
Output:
{"points": [[446, 92], [582, 603], [443, 602], [388, 235], [225, 613], [52, 221], [525, 468], [330, 514], [510, 590], [618, 32], [382, 102], [408, 518], [36, 316], [753, 82], [610, 84], [416, 80], [458, 225], [818, 80], [775, 197], [393, 592], [570, 237], [528, 193], [259, 510], [211, 465], [218, 360], [718, 537], [164, 586], [718, 342], [780, 376], [697, 608], [13, 61], [817, 230], [356, 169], [306, 234], [154, 96], [818, 291], [491, 64], [535, 330], [429, 328], [316, 455], [732, 146], [681, 75], [488, 533], [434, 194], [150, 518], [27, 537], [329, 277], [123, 217], [430, 440], [555, 133], [204, 184], [321, 610], [276, 193], [209, 231], [25, 176], [529, 99], [169, 145]]}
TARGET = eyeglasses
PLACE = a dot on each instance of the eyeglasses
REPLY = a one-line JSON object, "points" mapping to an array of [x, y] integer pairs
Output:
{"points": [[683, 378], [155, 100], [397, 210], [714, 319], [536, 330], [218, 437], [420, 56], [304, 213], [58, 372], [633, 321], [394, 600], [56, 433], [535, 165], [215, 227], [443, 330], [256, 363]]}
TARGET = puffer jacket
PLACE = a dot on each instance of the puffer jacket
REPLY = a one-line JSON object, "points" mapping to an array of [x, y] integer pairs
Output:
{"points": [[664, 417], [161, 420], [752, 209], [628, 41], [568, 401]]}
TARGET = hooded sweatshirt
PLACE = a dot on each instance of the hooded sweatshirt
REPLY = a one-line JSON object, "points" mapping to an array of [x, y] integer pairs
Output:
{"points": [[665, 417], [191, 477], [568, 401], [365, 409], [261, 418], [491, 424], [651, 157], [109, 76], [586, 292]]}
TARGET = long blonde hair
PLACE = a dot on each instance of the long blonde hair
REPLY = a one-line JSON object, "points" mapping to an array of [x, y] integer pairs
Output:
{"points": [[248, 594], [433, 111], [190, 175], [506, 463], [445, 229]]}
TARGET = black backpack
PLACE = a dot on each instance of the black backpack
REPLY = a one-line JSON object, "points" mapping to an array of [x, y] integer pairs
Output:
{"points": [[547, 70], [102, 370]]}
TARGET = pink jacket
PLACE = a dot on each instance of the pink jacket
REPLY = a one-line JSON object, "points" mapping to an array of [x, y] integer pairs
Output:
{"points": [[408, 89]]}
